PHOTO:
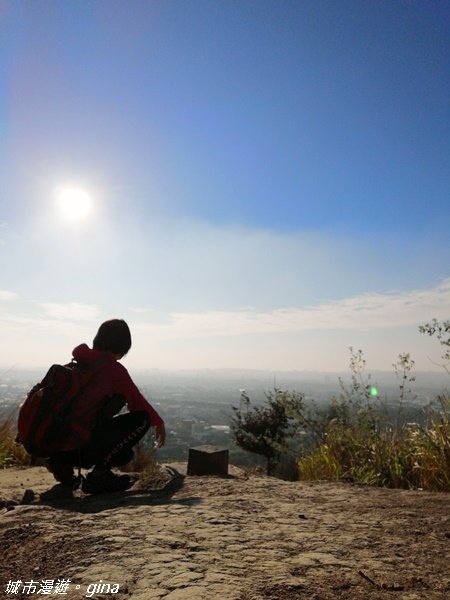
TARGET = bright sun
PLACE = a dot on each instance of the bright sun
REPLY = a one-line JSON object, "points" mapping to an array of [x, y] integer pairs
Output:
{"points": [[75, 203]]}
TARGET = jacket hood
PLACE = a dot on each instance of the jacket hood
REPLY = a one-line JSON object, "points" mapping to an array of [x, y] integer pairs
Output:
{"points": [[84, 354]]}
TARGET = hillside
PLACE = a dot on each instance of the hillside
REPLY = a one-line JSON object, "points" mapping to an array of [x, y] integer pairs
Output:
{"points": [[238, 538]]}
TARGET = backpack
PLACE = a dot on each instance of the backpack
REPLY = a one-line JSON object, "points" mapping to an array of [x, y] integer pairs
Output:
{"points": [[46, 418]]}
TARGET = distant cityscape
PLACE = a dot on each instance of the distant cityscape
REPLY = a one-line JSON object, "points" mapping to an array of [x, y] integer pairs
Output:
{"points": [[197, 406]]}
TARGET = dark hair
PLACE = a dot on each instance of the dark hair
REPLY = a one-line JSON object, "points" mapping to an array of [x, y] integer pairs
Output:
{"points": [[113, 336]]}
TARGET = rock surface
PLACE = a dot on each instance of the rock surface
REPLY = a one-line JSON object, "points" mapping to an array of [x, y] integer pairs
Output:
{"points": [[235, 538]]}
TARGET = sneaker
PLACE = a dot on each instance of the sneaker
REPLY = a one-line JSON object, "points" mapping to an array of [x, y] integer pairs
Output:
{"points": [[60, 491], [100, 482]]}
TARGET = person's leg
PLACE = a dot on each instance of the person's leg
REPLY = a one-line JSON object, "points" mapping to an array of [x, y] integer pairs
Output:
{"points": [[111, 445], [112, 405], [61, 466], [112, 439]]}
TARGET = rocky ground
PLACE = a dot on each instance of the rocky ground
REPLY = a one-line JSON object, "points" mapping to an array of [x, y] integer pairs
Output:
{"points": [[237, 538]]}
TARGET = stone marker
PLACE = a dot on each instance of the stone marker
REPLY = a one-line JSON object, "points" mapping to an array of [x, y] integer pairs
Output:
{"points": [[207, 460]]}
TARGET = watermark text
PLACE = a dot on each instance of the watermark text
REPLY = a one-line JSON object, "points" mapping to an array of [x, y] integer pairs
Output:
{"points": [[47, 587]]}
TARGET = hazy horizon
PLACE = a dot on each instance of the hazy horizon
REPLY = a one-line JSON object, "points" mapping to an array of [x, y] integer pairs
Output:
{"points": [[236, 373]]}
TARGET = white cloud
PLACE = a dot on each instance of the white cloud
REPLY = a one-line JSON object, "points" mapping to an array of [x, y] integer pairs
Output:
{"points": [[365, 311], [304, 337], [73, 311], [7, 295]]}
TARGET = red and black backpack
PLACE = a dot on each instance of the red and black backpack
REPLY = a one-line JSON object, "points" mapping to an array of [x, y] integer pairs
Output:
{"points": [[48, 416]]}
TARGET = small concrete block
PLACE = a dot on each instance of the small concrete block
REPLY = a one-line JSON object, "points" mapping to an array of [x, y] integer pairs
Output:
{"points": [[207, 460]]}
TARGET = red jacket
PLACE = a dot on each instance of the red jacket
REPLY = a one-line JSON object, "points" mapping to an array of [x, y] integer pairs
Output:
{"points": [[111, 378]]}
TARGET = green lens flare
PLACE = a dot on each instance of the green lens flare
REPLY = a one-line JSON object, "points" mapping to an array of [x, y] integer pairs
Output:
{"points": [[373, 391]]}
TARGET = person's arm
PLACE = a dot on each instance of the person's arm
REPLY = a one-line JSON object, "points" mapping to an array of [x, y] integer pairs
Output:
{"points": [[160, 434], [136, 401]]}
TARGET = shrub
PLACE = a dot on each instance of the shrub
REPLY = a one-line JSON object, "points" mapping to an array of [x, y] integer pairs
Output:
{"points": [[11, 453], [267, 430]]}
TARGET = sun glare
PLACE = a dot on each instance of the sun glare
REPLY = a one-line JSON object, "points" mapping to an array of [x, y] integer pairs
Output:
{"points": [[74, 203]]}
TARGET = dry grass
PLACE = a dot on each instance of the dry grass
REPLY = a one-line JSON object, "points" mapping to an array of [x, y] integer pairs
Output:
{"points": [[144, 459], [11, 453], [412, 457]]}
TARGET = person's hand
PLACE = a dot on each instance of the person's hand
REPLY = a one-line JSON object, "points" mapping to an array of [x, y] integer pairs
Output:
{"points": [[160, 435]]}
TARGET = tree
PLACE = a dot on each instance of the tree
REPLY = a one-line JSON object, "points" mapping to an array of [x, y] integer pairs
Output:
{"points": [[442, 332], [267, 430]]}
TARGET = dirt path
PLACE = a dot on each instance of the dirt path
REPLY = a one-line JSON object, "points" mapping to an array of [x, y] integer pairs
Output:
{"points": [[230, 539]]}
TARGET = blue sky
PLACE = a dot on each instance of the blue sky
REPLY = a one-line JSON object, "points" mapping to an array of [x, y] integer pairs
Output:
{"points": [[269, 180]]}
